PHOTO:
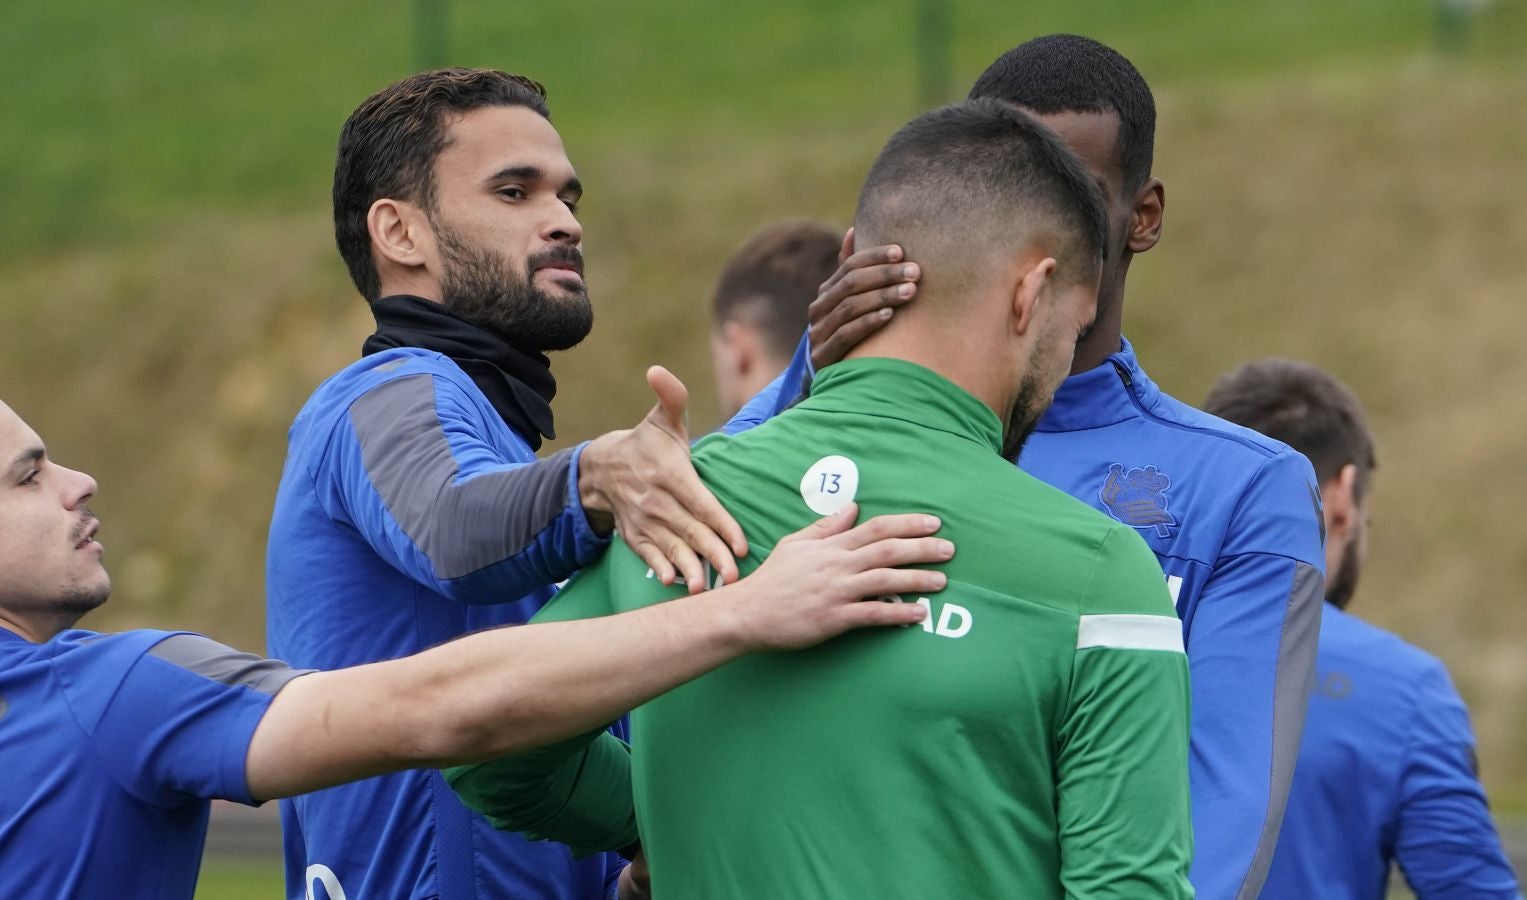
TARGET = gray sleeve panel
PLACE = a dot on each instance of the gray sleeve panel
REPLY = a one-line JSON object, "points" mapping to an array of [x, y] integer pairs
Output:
{"points": [[460, 527], [225, 665], [1292, 684]]}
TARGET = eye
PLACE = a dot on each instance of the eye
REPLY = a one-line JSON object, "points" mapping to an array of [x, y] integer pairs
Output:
{"points": [[31, 478], [572, 204], [513, 192]]}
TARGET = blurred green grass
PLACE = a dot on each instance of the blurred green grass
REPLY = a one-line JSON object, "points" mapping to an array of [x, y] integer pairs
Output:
{"points": [[240, 880], [128, 116], [1337, 190]]}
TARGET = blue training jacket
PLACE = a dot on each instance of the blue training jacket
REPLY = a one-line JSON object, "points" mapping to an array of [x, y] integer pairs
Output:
{"points": [[1386, 774], [111, 747], [409, 514], [1235, 520]]}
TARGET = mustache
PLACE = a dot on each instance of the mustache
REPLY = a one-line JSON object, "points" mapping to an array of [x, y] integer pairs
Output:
{"points": [[87, 518], [562, 255]]}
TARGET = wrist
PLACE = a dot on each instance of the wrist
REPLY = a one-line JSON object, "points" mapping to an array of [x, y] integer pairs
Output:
{"points": [[592, 471], [733, 607]]}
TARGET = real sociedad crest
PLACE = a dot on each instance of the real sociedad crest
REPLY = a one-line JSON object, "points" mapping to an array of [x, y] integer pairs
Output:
{"points": [[1137, 498]]}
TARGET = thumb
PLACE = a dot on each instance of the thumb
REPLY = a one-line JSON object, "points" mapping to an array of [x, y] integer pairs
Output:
{"points": [[671, 399]]}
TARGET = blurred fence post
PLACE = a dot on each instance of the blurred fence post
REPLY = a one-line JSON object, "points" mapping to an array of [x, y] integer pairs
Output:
{"points": [[933, 35], [431, 29]]}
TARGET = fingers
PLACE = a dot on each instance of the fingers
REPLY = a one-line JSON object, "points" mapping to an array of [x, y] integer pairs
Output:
{"points": [[653, 556], [854, 303], [700, 538], [712, 531], [886, 582], [671, 399], [869, 256], [905, 552], [906, 525], [872, 614], [827, 526]]}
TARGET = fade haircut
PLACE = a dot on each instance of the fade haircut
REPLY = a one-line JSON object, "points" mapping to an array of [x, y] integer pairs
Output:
{"points": [[1062, 73], [388, 148], [1303, 406], [961, 185], [772, 278]]}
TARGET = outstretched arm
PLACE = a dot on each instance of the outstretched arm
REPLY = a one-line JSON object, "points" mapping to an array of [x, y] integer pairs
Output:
{"points": [[511, 689]]}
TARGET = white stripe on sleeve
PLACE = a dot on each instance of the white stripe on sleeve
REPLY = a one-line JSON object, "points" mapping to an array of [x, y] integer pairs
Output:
{"points": [[1127, 632]]}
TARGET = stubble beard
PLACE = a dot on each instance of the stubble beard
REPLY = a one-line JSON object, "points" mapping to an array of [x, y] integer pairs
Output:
{"points": [[482, 287], [1023, 418], [1339, 592]]}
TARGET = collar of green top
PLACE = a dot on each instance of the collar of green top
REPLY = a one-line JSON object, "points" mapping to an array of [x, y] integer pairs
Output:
{"points": [[898, 389]]}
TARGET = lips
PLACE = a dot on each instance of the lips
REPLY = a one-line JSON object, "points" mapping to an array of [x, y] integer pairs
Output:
{"points": [[86, 532]]}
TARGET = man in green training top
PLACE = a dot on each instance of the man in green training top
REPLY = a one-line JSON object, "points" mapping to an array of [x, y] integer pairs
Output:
{"points": [[1030, 738]]}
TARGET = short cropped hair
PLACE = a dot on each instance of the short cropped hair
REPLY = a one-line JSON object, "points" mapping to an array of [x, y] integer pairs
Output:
{"points": [[960, 183], [1061, 73], [1303, 406], [772, 278], [388, 148]]}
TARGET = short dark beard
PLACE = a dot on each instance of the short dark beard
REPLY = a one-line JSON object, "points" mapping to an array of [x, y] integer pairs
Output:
{"points": [[480, 286], [78, 600], [1339, 590], [1021, 421]]}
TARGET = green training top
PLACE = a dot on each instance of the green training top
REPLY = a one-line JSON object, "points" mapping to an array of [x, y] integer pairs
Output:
{"points": [[1029, 740]]}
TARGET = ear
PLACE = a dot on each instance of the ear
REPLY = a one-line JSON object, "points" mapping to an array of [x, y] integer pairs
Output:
{"points": [[399, 233], [1338, 497], [1145, 221], [1026, 294], [746, 353]]}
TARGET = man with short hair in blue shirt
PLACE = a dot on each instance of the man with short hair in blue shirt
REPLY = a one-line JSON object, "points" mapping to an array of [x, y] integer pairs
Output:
{"points": [[1387, 770], [111, 745]]}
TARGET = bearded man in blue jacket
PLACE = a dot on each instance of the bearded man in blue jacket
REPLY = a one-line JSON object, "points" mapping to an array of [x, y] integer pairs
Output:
{"points": [[1387, 770], [413, 509]]}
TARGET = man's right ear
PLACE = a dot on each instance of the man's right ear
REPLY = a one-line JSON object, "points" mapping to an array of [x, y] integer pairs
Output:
{"points": [[399, 232]]}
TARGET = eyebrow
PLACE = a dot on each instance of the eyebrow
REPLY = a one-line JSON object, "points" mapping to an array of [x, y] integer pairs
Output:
{"points": [[532, 173], [29, 456]]}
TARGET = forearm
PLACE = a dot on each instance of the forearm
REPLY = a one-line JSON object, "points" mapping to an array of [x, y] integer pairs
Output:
{"points": [[486, 695]]}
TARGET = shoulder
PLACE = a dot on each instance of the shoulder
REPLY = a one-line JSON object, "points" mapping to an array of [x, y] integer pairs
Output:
{"points": [[1237, 449], [1380, 656], [366, 376]]}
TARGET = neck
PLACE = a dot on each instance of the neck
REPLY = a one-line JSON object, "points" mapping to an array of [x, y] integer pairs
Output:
{"points": [[36, 628], [1108, 329], [961, 352]]}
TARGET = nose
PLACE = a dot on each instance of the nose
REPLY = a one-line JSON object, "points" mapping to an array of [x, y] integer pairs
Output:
{"points": [[562, 227], [78, 488]]}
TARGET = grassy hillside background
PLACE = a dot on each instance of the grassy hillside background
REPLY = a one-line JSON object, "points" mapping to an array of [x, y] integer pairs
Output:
{"points": [[1339, 190]]}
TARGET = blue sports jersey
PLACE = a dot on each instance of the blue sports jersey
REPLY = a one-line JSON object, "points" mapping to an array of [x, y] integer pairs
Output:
{"points": [[111, 746], [1234, 518], [1386, 774], [409, 514]]}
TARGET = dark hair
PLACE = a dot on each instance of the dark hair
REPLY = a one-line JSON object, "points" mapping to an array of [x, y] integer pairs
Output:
{"points": [[958, 178], [772, 278], [1303, 406], [1068, 73], [389, 145]]}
